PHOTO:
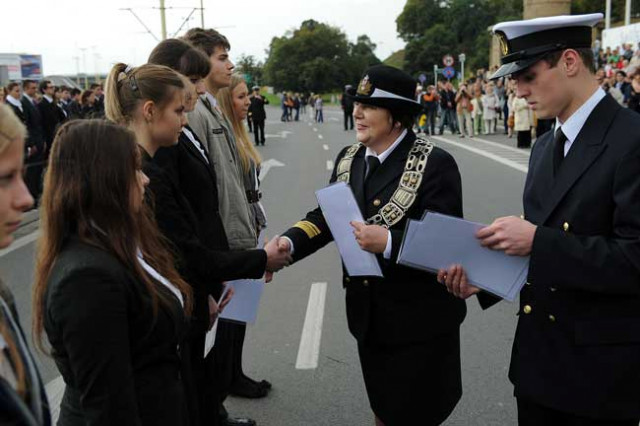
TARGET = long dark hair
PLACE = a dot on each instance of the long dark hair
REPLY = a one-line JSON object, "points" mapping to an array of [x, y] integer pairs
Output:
{"points": [[182, 57], [87, 193]]}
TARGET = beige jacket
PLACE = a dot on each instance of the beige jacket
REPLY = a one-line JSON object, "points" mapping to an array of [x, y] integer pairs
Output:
{"points": [[213, 129]]}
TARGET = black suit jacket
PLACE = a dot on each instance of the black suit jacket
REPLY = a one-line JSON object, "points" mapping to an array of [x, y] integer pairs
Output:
{"points": [[407, 305], [257, 108], [184, 192], [121, 366], [577, 350], [50, 113], [35, 135]]}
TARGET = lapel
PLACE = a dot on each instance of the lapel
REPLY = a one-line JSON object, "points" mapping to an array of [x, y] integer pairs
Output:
{"points": [[222, 120], [391, 169], [196, 153], [587, 147], [357, 178]]}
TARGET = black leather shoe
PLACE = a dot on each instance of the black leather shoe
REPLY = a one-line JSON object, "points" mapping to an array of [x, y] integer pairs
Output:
{"points": [[247, 388], [238, 421]]}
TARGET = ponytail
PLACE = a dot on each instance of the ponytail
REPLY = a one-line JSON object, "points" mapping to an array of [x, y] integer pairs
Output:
{"points": [[126, 86]]}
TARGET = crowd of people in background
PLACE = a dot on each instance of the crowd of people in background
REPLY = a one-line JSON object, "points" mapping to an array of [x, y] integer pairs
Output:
{"points": [[483, 107]]}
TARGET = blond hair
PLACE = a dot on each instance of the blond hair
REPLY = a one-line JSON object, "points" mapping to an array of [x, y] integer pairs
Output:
{"points": [[11, 128], [126, 86], [246, 149]]}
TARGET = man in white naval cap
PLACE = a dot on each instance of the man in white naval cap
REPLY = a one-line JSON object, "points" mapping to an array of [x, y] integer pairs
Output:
{"points": [[576, 352]]}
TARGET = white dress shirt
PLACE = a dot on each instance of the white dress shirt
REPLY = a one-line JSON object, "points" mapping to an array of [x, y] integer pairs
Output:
{"points": [[15, 102], [571, 128], [195, 143]]}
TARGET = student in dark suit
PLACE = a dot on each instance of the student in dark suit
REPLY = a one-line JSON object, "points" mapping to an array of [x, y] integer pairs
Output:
{"points": [[13, 100], [258, 115], [106, 292], [22, 396], [406, 324], [576, 350], [50, 113], [199, 239], [35, 140]]}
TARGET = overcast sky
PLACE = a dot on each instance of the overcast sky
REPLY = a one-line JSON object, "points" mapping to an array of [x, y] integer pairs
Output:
{"points": [[60, 29]]}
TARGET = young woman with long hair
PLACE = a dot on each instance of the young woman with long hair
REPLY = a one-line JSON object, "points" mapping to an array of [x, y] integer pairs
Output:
{"points": [[22, 397], [106, 291], [234, 102]]}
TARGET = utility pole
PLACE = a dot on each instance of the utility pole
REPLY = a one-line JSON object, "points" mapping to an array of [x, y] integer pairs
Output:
{"points": [[84, 66], [163, 20], [77, 61], [607, 15], [201, 13], [627, 12]]}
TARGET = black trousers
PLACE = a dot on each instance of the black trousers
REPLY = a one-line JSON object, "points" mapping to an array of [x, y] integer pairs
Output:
{"points": [[348, 119], [33, 175], [533, 414], [249, 124], [524, 139], [258, 131]]}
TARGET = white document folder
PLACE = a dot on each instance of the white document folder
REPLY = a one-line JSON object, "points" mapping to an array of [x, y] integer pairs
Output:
{"points": [[339, 208], [439, 241]]}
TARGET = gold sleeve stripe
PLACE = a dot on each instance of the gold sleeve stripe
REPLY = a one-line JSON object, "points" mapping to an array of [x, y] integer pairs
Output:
{"points": [[309, 228]]}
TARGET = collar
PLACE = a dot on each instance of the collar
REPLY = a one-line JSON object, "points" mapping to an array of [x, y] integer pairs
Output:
{"points": [[48, 98], [13, 101], [387, 153], [212, 99], [571, 128], [29, 98]]}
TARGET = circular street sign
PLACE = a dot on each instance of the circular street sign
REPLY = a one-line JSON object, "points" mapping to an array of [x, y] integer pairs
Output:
{"points": [[449, 73], [422, 78], [447, 60]]}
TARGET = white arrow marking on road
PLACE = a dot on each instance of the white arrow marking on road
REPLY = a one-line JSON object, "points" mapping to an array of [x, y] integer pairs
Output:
{"points": [[267, 165], [320, 137], [333, 119], [309, 350], [285, 133], [329, 165], [506, 162], [325, 147]]}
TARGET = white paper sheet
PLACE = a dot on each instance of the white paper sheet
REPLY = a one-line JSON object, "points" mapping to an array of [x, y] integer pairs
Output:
{"points": [[339, 207], [210, 339], [245, 302], [440, 241]]}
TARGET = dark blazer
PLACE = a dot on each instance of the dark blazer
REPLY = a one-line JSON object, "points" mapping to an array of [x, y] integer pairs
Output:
{"points": [[577, 344], [407, 305], [120, 365], [50, 113], [257, 108], [34, 411], [35, 135], [184, 193], [19, 113]]}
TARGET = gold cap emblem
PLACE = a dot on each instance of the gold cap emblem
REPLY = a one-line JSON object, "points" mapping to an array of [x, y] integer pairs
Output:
{"points": [[364, 88], [504, 45]]}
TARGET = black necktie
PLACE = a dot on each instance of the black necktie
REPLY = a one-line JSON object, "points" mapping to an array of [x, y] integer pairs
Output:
{"points": [[558, 150], [372, 164]]}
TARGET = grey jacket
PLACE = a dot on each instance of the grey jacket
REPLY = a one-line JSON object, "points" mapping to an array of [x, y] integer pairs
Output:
{"points": [[214, 131]]}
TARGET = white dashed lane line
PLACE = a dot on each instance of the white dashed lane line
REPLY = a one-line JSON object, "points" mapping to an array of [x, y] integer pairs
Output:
{"points": [[309, 350]]}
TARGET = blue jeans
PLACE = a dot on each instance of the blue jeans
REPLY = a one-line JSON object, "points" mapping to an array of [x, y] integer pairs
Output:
{"points": [[448, 117]]}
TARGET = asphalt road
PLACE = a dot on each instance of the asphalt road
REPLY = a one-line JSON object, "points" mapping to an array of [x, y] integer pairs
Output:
{"points": [[298, 158]]}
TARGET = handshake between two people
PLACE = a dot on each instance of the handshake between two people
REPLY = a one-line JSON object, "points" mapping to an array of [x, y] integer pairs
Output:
{"points": [[278, 251], [512, 235]]}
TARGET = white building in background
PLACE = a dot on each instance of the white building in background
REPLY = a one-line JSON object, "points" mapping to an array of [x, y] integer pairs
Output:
{"points": [[20, 66]]}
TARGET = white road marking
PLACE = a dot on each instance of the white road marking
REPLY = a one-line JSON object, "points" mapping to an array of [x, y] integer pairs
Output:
{"points": [[501, 160], [20, 242], [315, 129], [499, 145], [267, 165], [309, 123], [309, 350], [329, 165], [325, 147], [320, 137]]}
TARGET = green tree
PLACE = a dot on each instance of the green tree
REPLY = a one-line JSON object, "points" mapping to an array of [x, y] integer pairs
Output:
{"points": [[434, 28], [251, 68], [318, 58]]}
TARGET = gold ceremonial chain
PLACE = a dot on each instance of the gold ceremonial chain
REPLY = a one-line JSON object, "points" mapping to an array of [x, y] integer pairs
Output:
{"points": [[406, 193]]}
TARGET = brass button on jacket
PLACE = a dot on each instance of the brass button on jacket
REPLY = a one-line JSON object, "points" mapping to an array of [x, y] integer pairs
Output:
{"points": [[376, 202], [552, 318], [347, 279], [365, 283], [527, 309], [565, 226]]}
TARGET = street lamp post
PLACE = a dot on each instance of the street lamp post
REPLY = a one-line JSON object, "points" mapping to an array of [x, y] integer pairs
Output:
{"points": [[462, 57]]}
